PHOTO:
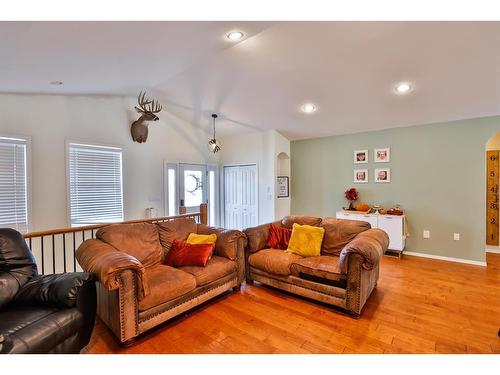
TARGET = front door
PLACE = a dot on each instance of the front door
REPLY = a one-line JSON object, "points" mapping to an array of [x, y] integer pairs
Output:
{"points": [[192, 186]]}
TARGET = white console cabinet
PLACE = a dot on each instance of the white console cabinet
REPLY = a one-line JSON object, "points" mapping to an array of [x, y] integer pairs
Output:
{"points": [[393, 225]]}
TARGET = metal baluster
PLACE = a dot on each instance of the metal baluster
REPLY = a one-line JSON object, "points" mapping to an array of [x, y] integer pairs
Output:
{"points": [[64, 250], [43, 257], [53, 255], [74, 255]]}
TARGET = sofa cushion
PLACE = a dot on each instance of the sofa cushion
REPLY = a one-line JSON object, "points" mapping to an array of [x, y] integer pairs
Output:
{"points": [[273, 261], [166, 283], [216, 268], [195, 238], [279, 237], [339, 232], [323, 267], [306, 240], [288, 221], [139, 240], [38, 329], [186, 254], [177, 229]]}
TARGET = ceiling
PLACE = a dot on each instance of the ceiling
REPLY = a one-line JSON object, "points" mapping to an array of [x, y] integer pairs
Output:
{"points": [[348, 69]]}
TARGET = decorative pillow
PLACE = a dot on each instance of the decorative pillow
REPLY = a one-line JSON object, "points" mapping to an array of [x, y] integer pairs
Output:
{"points": [[278, 237], [306, 240], [186, 254], [194, 238]]}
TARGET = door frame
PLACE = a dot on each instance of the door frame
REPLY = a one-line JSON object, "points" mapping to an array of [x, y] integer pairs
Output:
{"points": [[209, 166], [223, 191]]}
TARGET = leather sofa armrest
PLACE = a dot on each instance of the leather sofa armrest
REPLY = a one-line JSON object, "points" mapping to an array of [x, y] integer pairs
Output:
{"points": [[257, 237], [230, 243], [107, 263], [228, 240], [370, 245], [59, 290]]}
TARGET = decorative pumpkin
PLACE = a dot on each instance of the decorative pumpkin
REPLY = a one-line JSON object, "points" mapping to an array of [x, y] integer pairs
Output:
{"points": [[362, 207]]}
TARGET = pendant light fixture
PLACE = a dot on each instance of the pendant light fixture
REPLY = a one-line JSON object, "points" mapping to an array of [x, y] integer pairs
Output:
{"points": [[213, 144]]}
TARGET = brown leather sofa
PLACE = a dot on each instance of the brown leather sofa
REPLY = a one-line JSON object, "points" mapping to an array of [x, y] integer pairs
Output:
{"points": [[136, 291], [343, 275]]}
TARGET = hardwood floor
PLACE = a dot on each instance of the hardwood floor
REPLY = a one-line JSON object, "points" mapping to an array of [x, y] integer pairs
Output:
{"points": [[420, 306]]}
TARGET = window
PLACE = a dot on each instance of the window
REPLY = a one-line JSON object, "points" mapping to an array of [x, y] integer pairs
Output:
{"points": [[171, 183], [95, 184], [14, 183]]}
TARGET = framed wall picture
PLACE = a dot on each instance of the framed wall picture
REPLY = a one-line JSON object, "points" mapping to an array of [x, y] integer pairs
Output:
{"points": [[361, 176], [382, 155], [283, 186], [383, 175], [360, 156]]}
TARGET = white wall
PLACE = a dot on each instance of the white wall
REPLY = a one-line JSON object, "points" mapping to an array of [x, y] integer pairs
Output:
{"points": [[261, 148], [51, 120], [282, 168]]}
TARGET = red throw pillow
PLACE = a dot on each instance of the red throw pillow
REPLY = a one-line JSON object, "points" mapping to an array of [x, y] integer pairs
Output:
{"points": [[185, 254], [278, 237]]}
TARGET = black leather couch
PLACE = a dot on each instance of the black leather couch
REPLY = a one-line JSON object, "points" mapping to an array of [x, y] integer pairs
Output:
{"points": [[41, 314]]}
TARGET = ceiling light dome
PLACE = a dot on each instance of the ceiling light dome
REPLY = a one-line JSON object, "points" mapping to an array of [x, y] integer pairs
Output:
{"points": [[234, 35], [403, 88], [308, 108]]}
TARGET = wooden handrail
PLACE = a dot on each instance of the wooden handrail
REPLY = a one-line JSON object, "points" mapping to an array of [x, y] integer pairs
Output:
{"points": [[202, 214]]}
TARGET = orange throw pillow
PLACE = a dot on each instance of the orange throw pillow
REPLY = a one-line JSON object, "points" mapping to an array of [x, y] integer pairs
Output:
{"points": [[278, 237], [186, 254]]}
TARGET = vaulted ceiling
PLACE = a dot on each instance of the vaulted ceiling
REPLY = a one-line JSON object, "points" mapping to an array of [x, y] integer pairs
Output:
{"points": [[347, 69]]}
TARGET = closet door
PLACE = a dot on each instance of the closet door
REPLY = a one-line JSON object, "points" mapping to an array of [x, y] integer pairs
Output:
{"points": [[240, 196]]}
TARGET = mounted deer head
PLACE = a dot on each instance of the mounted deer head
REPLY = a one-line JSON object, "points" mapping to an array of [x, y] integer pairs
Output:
{"points": [[147, 109]]}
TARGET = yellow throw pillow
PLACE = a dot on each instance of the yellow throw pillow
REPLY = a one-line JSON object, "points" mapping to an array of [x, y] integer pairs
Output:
{"points": [[194, 238], [306, 240]]}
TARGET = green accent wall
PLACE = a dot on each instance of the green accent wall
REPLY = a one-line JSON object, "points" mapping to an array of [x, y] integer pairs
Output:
{"points": [[437, 176]]}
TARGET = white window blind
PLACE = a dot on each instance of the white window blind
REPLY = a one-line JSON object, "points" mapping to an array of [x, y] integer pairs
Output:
{"points": [[95, 184], [13, 184]]}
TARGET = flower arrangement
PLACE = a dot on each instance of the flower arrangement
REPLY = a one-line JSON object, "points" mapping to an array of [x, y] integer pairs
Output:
{"points": [[351, 195]]}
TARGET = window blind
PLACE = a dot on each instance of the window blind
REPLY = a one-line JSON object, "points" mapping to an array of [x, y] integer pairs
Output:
{"points": [[95, 184], [13, 184]]}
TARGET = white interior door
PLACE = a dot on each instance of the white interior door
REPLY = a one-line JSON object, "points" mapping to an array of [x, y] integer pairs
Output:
{"points": [[240, 196], [192, 186]]}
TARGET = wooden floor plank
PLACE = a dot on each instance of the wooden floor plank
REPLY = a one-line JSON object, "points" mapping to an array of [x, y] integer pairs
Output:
{"points": [[420, 306]]}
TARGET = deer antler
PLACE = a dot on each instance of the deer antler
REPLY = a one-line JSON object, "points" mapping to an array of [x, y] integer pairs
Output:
{"points": [[146, 105]]}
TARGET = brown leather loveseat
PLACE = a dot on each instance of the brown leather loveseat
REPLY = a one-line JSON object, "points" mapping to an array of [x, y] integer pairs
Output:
{"points": [[343, 275], [136, 291]]}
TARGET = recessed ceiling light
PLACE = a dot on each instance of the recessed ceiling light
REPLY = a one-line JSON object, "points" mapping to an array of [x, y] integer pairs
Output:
{"points": [[308, 108], [56, 83], [403, 87], [234, 35]]}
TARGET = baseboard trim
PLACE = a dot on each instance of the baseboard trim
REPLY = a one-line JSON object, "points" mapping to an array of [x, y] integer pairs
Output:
{"points": [[447, 259], [490, 250]]}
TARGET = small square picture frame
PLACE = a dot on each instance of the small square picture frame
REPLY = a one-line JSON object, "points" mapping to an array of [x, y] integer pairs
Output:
{"points": [[382, 155], [382, 175], [360, 156], [360, 176]]}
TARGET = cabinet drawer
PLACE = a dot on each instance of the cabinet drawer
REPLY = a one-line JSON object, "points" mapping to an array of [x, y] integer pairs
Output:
{"points": [[358, 217], [393, 226]]}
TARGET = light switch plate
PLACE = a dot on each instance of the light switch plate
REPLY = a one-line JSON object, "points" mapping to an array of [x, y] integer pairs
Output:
{"points": [[427, 234], [456, 236]]}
